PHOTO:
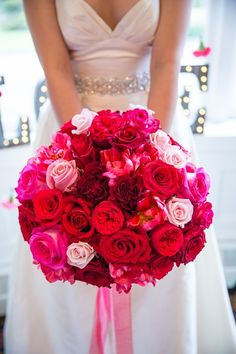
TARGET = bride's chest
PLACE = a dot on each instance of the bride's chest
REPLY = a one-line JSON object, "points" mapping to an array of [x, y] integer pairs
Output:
{"points": [[82, 25]]}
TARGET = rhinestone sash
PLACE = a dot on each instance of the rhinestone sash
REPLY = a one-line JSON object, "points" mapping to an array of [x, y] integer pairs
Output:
{"points": [[112, 86]]}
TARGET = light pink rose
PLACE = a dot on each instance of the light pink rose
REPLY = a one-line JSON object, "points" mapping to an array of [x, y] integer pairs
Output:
{"points": [[62, 174], [80, 254], [180, 211], [82, 121], [174, 156], [160, 140]]}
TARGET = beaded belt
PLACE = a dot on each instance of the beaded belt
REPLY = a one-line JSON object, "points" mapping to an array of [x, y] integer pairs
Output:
{"points": [[112, 86]]}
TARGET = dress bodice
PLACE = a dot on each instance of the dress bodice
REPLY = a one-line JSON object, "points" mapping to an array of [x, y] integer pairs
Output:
{"points": [[96, 49]]}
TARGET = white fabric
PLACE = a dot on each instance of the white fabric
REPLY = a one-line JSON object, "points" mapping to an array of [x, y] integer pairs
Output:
{"points": [[188, 312]]}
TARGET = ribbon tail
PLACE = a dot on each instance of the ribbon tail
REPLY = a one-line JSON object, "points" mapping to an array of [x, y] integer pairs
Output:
{"points": [[102, 318], [122, 321]]}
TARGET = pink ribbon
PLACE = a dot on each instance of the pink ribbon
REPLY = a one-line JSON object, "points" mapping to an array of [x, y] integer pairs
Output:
{"points": [[112, 309]]}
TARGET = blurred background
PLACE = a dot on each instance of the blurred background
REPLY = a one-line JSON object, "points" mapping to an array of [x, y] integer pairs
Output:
{"points": [[207, 92]]}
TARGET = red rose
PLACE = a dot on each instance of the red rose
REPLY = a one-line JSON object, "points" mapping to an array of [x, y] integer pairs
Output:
{"points": [[128, 137], [93, 186], [107, 218], [126, 246], [194, 241], [161, 179], [203, 215], [27, 219], [103, 127], [160, 266], [95, 273], [67, 128], [48, 206], [167, 239], [127, 191], [84, 151], [77, 220]]}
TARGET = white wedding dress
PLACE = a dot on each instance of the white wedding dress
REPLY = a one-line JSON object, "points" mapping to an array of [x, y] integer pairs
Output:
{"points": [[187, 312]]}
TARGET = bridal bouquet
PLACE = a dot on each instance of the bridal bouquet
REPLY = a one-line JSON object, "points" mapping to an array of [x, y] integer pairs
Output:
{"points": [[113, 199]]}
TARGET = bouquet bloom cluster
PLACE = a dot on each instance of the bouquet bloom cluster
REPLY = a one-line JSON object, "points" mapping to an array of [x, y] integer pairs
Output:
{"points": [[113, 199]]}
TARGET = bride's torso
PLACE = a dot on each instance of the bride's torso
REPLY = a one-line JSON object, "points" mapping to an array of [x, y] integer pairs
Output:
{"points": [[109, 62]]}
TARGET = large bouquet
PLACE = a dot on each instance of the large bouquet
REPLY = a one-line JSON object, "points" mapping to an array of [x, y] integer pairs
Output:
{"points": [[113, 199]]}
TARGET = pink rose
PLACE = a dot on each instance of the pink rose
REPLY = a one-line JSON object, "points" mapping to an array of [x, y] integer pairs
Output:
{"points": [[82, 121], [203, 215], [62, 175], [180, 211], [160, 140], [142, 119], [199, 184], [48, 247], [28, 184], [174, 156], [80, 254]]}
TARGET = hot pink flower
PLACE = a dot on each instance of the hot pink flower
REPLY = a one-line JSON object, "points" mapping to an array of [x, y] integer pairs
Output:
{"points": [[28, 183], [48, 247], [199, 184]]}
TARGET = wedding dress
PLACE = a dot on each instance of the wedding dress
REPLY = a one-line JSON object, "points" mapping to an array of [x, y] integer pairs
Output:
{"points": [[187, 312]]}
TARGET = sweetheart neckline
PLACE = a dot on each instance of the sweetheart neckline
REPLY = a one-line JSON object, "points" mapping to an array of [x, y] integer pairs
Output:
{"points": [[123, 18]]}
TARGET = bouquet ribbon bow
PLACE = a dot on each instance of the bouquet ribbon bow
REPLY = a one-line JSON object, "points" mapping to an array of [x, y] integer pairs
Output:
{"points": [[114, 310]]}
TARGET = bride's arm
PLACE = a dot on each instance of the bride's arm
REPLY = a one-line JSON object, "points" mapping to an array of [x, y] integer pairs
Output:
{"points": [[166, 56], [54, 57]]}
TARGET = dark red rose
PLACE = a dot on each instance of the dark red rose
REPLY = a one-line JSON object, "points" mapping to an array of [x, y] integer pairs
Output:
{"points": [[128, 137], [161, 179], [126, 246], [77, 220], [103, 126], [95, 273], [194, 241], [167, 239], [27, 219], [160, 266], [127, 191], [93, 186], [48, 205], [203, 215], [107, 218], [83, 150]]}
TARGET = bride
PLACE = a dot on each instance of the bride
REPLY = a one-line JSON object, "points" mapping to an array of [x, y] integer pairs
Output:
{"points": [[97, 56]]}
